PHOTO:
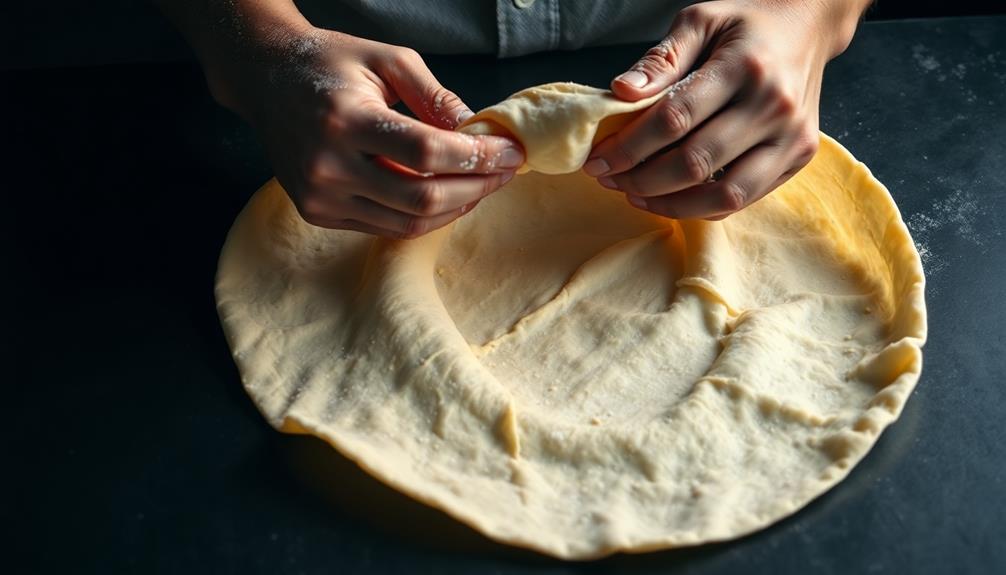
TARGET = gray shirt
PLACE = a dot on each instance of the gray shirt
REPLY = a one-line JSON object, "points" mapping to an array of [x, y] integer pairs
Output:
{"points": [[502, 27]]}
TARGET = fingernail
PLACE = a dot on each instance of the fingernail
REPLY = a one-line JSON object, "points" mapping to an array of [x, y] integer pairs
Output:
{"points": [[464, 115], [634, 78], [510, 158], [507, 176], [637, 201], [608, 183], [595, 167]]}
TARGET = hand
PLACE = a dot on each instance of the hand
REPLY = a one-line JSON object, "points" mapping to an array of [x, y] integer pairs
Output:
{"points": [[748, 108], [320, 101]]}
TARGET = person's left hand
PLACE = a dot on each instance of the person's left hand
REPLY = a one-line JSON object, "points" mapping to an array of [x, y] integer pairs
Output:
{"points": [[749, 108]]}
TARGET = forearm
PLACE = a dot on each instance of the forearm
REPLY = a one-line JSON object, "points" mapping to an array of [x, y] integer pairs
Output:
{"points": [[211, 26], [229, 35]]}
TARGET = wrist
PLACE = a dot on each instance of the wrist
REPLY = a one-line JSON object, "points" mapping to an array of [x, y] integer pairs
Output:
{"points": [[829, 24], [836, 21], [246, 46]]}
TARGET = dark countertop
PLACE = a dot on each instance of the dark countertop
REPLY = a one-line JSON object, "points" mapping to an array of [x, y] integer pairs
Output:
{"points": [[136, 450]]}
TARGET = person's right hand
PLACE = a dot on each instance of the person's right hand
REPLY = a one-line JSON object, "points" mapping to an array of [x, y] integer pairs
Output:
{"points": [[321, 103]]}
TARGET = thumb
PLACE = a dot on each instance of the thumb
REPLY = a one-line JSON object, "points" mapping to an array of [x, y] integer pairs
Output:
{"points": [[662, 65], [419, 89]]}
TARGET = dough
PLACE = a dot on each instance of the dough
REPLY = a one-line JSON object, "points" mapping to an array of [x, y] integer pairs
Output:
{"points": [[566, 373], [557, 123]]}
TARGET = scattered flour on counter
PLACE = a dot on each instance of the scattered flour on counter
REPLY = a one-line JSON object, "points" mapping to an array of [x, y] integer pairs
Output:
{"points": [[973, 64], [924, 58], [958, 213]]}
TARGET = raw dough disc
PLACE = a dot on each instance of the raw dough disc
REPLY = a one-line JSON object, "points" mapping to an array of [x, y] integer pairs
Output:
{"points": [[566, 373]]}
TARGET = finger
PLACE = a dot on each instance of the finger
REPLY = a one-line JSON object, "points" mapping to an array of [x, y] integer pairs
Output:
{"points": [[337, 211], [716, 144], [687, 105], [416, 85], [427, 196], [401, 224], [668, 61], [355, 226], [749, 179], [429, 150]]}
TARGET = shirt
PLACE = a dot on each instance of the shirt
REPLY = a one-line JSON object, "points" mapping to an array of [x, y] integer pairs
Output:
{"points": [[502, 27]]}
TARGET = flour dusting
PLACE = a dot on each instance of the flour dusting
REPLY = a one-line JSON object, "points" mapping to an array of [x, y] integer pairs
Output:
{"points": [[390, 127], [924, 58], [477, 155], [664, 48], [957, 213], [687, 80]]}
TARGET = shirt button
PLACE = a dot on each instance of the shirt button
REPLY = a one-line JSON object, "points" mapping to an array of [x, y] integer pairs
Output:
{"points": [[523, 3]]}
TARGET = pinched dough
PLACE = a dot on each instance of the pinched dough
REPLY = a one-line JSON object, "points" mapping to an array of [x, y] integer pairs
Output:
{"points": [[566, 373], [557, 123]]}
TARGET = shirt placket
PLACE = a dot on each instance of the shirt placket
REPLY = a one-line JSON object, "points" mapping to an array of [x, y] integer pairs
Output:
{"points": [[526, 26]]}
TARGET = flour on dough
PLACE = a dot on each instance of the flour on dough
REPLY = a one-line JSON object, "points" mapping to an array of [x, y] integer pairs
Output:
{"points": [[569, 374]]}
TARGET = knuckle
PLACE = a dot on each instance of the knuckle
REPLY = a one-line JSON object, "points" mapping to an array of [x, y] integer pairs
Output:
{"points": [[732, 197], [691, 15], [806, 145], [685, 16], [634, 182], [429, 198], [755, 69], [363, 108], [783, 101], [312, 209], [336, 110], [660, 50], [425, 151], [335, 124], [674, 118], [414, 227], [317, 169], [785, 105], [698, 162], [656, 63], [405, 57], [623, 157], [444, 99]]}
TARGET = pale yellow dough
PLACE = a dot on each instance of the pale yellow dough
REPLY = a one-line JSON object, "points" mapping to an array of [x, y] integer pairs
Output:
{"points": [[557, 123], [566, 373]]}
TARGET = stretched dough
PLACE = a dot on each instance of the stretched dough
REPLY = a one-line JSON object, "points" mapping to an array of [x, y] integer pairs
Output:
{"points": [[569, 374], [558, 123]]}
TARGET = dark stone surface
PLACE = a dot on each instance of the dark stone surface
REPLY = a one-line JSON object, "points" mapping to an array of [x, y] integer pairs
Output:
{"points": [[132, 447]]}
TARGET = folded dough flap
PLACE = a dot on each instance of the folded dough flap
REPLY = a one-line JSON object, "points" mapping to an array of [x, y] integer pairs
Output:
{"points": [[558, 124]]}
